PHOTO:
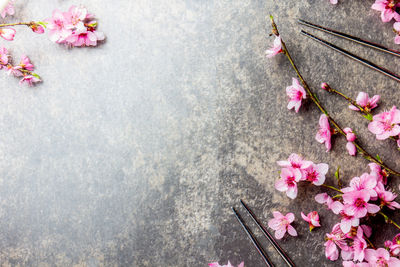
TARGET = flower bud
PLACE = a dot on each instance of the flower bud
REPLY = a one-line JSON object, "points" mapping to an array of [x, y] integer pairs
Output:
{"points": [[325, 87]]}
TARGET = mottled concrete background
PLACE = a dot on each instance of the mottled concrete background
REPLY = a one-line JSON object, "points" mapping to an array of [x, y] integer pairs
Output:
{"points": [[132, 153]]}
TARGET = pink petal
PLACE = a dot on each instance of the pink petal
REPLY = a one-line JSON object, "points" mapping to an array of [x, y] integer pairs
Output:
{"points": [[372, 208], [290, 217], [292, 231], [362, 99], [279, 233], [351, 148]]}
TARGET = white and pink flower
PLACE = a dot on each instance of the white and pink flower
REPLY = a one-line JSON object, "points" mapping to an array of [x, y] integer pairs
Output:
{"points": [[281, 224], [324, 133], [288, 182], [366, 102], [316, 173], [275, 49], [385, 124], [380, 257], [296, 93], [312, 218]]}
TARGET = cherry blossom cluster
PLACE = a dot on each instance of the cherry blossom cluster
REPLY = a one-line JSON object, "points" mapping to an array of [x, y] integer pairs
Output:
{"points": [[296, 169], [76, 27], [24, 69], [366, 195]]}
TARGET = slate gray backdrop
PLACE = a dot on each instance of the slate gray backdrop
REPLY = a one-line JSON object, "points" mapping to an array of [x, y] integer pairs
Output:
{"points": [[132, 153]]}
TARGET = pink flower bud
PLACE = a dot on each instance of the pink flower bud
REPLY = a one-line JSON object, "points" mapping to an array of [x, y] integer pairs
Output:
{"points": [[351, 148], [37, 28], [325, 86], [350, 136]]}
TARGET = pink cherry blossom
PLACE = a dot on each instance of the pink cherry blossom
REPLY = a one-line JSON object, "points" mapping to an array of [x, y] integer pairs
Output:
{"points": [[7, 8], [335, 239], [296, 93], [216, 264], [334, 2], [387, 9], [281, 224], [396, 27], [29, 80], [365, 102], [295, 161], [3, 57], [347, 220], [312, 218], [26, 63], [359, 245], [324, 132], [7, 33], [59, 30], [288, 182], [85, 38], [376, 171], [386, 197], [365, 181], [380, 257], [276, 49], [356, 203], [385, 124], [316, 173]]}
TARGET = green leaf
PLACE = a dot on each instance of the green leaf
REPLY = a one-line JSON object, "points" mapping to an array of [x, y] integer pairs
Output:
{"points": [[378, 158], [368, 116], [43, 23], [337, 175], [36, 75]]}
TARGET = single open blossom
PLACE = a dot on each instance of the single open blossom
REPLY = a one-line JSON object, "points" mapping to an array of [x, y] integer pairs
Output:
{"points": [[295, 161], [365, 102], [7, 33], [59, 30], [396, 27], [365, 181], [324, 132], [7, 8], [281, 224], [385, 124], [276, 49], [387, 9], [296, 93], [216, 264], [380, 257], [356, 203], [29, 80], [312, 218], [316, 173], [288, 182]]}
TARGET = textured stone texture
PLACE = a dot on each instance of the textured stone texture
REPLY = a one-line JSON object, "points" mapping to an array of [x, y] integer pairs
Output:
{"points": [[132, 153]]}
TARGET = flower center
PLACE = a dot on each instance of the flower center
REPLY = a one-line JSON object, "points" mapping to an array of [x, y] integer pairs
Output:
{"points": [[312, 176], [387, 125], [290, 181], [360, 203]]}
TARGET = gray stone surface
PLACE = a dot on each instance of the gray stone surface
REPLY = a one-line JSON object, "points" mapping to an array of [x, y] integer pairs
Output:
{"points": [[132, 153]]}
